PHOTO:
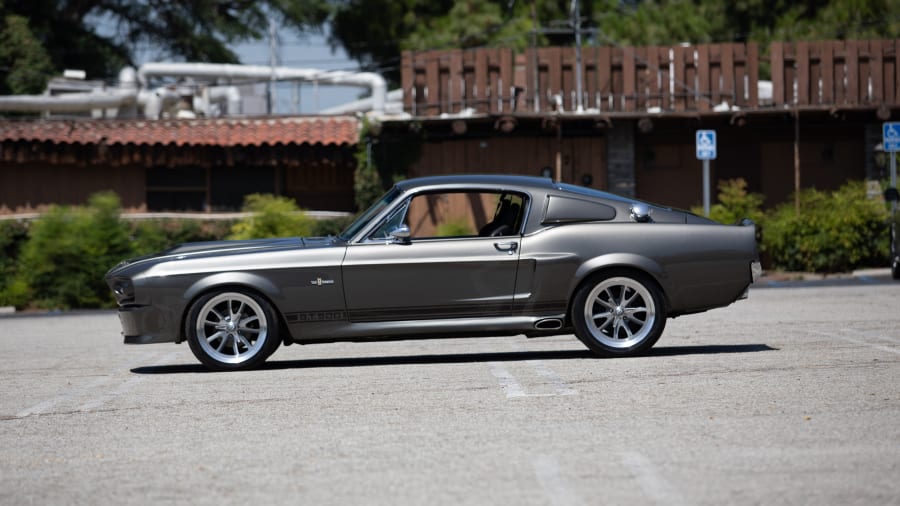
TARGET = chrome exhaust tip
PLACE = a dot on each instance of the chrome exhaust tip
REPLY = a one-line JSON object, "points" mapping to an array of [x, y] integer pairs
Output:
{"points": [[548, 324]]}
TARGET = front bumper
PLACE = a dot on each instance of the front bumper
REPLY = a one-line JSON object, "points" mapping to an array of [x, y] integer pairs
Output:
{"points": [[147, 325]]}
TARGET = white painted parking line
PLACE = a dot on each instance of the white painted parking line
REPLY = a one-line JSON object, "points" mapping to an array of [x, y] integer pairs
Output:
{"points": [[844, 337], [514, 389], [876, 334], [556, 488], [77, 391], [652, 483], [103, 399], [45, 406], [124, 387], [508, 383], [562, 388]]}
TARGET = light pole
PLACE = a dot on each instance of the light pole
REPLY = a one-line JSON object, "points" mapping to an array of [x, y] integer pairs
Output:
{"points": [[576, 26]]}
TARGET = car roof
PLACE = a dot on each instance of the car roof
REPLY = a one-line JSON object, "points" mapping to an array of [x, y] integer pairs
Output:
{"points": [[509, 182], [521, 182]]}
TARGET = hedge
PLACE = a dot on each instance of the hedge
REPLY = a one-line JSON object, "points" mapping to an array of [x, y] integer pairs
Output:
{"points": [[58, 261], [835, 231]]}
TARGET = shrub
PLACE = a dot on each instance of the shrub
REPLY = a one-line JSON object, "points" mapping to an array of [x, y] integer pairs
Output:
{"points": [[734, 203], [834, 232], [457, 227], [151, 236], [13, 235], [331, 226], [271, 217], [69, 250]]}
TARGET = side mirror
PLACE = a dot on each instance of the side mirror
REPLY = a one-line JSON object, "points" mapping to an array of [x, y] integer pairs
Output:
{"points": [[400, 234], [640, 212], [891, 195]]}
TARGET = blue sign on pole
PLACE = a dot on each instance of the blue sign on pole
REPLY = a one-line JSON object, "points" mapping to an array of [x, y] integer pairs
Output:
{"points": [[706, 144], [891, 136]]}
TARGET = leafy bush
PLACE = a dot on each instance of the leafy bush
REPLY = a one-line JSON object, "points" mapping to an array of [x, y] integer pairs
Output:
{"points": [[834, 232], [68, 252], [734, 203], [271, 217], [456, 227], [13, 234], [151, 236], [331, 226]]}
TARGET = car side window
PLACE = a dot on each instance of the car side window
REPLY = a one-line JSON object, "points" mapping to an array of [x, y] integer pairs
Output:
{"points": [[465, 214]]}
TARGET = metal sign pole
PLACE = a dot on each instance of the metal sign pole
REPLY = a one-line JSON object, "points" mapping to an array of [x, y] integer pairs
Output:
{"points": [[706, 188], [893, 207], [890, 138], [893, 181], [706, 151], [894, 252]]}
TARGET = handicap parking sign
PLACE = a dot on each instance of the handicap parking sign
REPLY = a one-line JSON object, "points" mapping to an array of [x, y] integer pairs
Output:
{"points": [[706, 144], [891, 136]]}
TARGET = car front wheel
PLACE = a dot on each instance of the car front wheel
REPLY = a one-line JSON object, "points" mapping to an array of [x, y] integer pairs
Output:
{"points": [[231, 330], [619, 313]]}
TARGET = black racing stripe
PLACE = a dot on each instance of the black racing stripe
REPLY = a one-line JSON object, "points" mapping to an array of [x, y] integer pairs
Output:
{"points": [[430, 312]]}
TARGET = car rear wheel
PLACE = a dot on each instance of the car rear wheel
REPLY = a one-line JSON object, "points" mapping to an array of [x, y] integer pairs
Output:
{"points": [[231, 330], [619, 313]]}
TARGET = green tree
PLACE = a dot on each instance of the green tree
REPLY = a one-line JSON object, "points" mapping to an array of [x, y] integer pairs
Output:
{"points": [[697, 21], [102, 36], [24, 63], [374, 32], [845, 19], [470, 23], [663, 22]]}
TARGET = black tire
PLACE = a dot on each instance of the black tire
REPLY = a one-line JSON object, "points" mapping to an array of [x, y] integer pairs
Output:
{"points": [[619, 313], [895, 268], [230, 330]]}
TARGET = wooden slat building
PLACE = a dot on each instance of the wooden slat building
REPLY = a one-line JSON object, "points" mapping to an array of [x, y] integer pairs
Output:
{"points": [[495, 110], [492, 110]]}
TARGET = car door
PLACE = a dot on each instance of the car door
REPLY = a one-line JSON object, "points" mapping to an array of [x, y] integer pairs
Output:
{"points": [[429, 277]]}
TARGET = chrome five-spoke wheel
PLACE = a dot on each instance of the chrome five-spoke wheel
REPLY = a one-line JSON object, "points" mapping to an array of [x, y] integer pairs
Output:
{"points": [[231, 330], [619, 314]]}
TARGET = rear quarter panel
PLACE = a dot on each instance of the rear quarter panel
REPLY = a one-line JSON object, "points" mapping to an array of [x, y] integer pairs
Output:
{"points": [[697, 266]]}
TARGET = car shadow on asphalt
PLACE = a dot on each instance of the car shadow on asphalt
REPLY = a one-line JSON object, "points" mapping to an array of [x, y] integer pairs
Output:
{"points": [[460, 358]]}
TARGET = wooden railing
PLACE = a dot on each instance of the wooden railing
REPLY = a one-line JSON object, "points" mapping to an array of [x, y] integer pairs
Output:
{"points": [[660, 79], [436, 82], [835, 73]]}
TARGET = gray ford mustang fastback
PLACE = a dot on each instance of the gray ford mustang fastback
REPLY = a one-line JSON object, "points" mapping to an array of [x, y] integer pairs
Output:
{"points": [[460, 255]]}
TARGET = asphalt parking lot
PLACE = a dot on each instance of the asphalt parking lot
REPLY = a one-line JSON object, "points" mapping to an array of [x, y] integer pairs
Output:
{"points": [[789, 397]]}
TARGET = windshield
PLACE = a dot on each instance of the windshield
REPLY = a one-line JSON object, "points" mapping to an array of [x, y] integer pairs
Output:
{"points": [[370, 213]]}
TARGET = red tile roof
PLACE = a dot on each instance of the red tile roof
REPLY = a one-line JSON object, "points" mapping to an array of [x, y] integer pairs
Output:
{"points": [[326, 130]]}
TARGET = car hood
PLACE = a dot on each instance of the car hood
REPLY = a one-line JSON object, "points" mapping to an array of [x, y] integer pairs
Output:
{"points": [[195, 250]]}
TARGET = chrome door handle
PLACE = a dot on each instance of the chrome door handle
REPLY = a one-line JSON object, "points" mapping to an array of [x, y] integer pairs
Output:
{"points": [[509, 247]]}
